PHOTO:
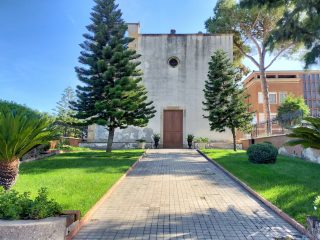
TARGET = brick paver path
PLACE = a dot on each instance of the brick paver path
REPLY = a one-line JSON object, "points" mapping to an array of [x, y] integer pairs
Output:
{"points": [[177, 194]]}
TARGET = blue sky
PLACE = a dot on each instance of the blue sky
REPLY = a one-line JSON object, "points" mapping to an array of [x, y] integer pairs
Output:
{"points": [[39, 41]]}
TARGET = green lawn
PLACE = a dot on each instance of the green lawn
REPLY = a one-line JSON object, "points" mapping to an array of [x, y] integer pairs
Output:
{"points": [[291, 184], [76, 180]]}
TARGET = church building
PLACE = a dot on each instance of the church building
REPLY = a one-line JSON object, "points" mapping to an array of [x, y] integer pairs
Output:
{"points": [[175, 67]]}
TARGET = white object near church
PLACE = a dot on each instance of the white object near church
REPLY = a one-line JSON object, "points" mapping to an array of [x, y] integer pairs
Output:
{"points": [[175, 67]]}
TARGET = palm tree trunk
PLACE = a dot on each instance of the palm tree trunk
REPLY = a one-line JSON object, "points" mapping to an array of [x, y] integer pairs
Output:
{"points": [[8, 173]]}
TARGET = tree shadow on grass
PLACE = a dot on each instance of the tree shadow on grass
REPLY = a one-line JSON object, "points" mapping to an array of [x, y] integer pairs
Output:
{"points": [[291, 183]]}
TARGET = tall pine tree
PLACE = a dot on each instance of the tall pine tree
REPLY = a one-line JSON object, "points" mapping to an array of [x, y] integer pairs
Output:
{"points": [[224, 100], [65, 115], [113, 94]]}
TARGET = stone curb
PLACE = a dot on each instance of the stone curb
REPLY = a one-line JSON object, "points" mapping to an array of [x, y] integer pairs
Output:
{"points": [[89, 214], [275, 209]]}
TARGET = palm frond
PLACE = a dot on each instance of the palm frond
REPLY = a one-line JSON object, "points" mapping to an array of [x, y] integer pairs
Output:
{"points": [[308, 136], [21, 130]]}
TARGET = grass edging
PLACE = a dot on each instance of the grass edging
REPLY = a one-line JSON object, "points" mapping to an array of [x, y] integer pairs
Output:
{"points": [[92, 210], [274, 208]]}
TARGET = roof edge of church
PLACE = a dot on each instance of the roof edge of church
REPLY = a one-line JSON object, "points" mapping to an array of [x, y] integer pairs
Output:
{"points": [[184, 34]]}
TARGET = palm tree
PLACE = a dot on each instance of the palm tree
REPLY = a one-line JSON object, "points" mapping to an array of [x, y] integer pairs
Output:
{"points": [[308, 136], [20, 130]]}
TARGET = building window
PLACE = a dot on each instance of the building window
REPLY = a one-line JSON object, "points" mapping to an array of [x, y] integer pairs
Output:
{"points": [[173, 62], [272, 98], [282, 97]]}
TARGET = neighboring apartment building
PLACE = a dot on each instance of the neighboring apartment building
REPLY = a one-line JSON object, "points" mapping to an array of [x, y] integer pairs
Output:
{"points": [[281, 83]]}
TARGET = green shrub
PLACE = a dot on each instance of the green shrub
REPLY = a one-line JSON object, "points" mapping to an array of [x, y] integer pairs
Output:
{"points": [[16, 206], [262, 153], [201, 140]]}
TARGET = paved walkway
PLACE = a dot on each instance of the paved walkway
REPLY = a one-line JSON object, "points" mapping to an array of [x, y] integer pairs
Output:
{"points": [[177, 194]]}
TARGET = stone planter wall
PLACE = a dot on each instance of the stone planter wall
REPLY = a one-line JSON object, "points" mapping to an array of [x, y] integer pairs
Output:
{"points": [[279, 141], [219, 145], [48, 228], [115, 145]]}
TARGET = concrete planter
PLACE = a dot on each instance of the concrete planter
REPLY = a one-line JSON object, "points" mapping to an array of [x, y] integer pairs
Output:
{"points": [[313, 227], [49, 228], [141, 145], [202, 145]]}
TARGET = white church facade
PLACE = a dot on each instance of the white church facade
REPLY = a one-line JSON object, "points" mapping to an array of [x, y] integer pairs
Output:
{"points": [[175, 68]]}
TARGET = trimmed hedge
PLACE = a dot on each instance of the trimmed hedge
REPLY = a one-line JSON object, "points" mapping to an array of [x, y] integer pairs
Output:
{"points": [[262, 153]]}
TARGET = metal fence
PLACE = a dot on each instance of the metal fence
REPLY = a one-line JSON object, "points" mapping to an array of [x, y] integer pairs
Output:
{"points": [[279, 125], [260, 129]]}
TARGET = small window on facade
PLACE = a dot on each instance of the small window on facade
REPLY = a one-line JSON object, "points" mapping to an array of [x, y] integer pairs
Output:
{"points": [[287, 76], [282, 96], [272, 98], [271, 76], [173, 62]]}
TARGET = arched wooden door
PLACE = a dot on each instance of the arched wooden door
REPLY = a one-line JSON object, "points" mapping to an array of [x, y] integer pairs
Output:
{"points": [[173, 129]]}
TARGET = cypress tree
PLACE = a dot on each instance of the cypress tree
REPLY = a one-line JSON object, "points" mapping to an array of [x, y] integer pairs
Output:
{"points": [[112, 93], [224, 100]]}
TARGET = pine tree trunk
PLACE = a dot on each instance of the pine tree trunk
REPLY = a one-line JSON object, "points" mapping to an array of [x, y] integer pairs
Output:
{"points": [[110, 139], [8, 173], [233, 130], [266, 103]]}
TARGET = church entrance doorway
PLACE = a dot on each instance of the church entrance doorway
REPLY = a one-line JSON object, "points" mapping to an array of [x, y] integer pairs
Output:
{"points": [[173, 129]]}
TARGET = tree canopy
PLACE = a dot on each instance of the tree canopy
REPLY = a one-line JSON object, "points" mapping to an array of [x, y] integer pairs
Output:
{"points": [[299, 23], [112, 93], [65, 115], [292, 111], [252, 28], [224, 100], [307, 135]]}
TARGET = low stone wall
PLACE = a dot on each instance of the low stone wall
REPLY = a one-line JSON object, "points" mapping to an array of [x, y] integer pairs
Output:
{"points": [[134, 145], [219, 145], [279, 141], [309, 154], [115, 145], [48, 228], [74, 142]]}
